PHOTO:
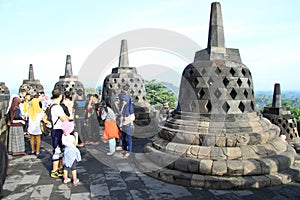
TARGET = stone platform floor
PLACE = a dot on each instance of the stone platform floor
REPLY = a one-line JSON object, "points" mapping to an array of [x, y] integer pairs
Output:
{"points": [[106, 177]]}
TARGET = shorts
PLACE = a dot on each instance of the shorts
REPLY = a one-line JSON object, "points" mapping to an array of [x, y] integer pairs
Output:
{"points": [[73, 167]]}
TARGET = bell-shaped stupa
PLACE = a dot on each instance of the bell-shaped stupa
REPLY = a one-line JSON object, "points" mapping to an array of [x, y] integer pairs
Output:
{"points": [[31, 85], [126, 79], [283, 118], [69, 82], [215, 137]]}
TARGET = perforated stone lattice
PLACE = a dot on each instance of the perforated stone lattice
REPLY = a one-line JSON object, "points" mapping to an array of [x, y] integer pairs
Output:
{"points": [[74, 87], [230, 83], [113, 86]]}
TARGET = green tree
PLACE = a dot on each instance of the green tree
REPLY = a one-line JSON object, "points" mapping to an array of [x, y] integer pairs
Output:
{"points": [[294, 110], [157, 94], [90, 91]]}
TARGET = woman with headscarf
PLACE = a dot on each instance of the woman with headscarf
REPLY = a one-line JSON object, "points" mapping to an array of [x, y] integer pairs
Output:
{"points": [[16, 143], [35, 114], [126, 124]]}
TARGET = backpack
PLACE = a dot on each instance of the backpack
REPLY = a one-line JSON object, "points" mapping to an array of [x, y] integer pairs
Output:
{"points": [[47, 123]]}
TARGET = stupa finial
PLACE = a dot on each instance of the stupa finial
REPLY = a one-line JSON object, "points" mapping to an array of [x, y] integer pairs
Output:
{"points": [[216, 31], [123, 59], [68, 68], [31, 73]]}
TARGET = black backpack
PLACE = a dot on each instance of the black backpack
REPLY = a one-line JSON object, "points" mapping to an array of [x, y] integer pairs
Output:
{"points": [[47, 123]]}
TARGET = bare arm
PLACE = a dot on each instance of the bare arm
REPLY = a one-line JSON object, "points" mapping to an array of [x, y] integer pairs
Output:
{"points": [[76, 138], [64, 118]]}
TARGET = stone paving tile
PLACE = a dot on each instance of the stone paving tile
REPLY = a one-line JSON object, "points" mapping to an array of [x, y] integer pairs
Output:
{"points": [[81, 196], [29, 179], [41, 192], [104, 177], [99, 190]]}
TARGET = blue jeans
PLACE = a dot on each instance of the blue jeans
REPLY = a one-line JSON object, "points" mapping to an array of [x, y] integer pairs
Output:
{"points": [[127, 138]]}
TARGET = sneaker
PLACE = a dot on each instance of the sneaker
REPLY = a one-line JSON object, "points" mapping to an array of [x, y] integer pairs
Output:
{"points": [[68, 180], [80, 145], [37, 155], [118, 148], [126, 155], [76, 182], [110, 154], [55, 174], [60, 171]]}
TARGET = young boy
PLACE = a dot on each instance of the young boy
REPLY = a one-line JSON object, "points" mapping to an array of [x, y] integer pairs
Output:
{"points": [[71, 153]]}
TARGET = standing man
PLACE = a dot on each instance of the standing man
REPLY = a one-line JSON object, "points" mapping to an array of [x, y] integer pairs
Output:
{"points": [[58, 116]]}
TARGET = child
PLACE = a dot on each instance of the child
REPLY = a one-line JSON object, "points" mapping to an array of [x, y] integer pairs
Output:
{"points": [[71, 153], [111, 130]]}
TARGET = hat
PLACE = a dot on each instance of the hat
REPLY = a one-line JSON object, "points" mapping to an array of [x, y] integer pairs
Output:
{"points": [[67, 127]]}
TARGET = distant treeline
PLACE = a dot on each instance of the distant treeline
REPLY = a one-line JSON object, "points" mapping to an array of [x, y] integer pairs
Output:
{"points": [[287, 97]]}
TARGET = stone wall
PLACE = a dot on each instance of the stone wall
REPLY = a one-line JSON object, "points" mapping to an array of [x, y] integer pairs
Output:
{"points": [[4, 99]]}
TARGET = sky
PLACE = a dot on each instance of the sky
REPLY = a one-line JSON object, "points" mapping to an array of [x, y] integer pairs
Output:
{"points": [[42, 33]]}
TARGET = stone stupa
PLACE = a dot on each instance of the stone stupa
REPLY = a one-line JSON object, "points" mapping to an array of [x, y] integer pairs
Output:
{"points": [[30, 85], [69, 82], [4, 101], [124, 78], [283, 118], [216, 138]]}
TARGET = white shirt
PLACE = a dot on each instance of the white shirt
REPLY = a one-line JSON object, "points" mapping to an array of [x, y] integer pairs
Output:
{"points": [[34, 127], [56, 112]]}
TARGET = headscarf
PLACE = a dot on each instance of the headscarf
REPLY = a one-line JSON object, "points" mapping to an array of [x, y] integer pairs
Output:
{"points": [[10, 101], [128, 107], [34, 109], [14, 106]]}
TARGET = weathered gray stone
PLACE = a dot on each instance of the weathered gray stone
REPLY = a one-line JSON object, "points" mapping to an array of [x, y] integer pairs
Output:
{"points": [[219, 168], [252, 167], [261, 181], [171, 146], [193, 166], [232, 152], [194, 150], [248, 152], [221, 141], [281, 116], [217, 153], [181, 164], [69, 82], [30, 85], [197, 180], [235, 167], [212, 182], [204, 152], [231, 140], [124, 78], [269, 165], [275, 179], [219, 123], [205, 166]]}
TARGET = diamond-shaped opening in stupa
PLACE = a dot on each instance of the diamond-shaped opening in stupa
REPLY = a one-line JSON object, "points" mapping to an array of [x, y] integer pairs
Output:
{"points": [[233, 94], [242, 106], [226, 107]]}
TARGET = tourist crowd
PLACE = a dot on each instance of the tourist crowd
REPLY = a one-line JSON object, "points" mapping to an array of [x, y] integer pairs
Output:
{"points": [[73, 121]]}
